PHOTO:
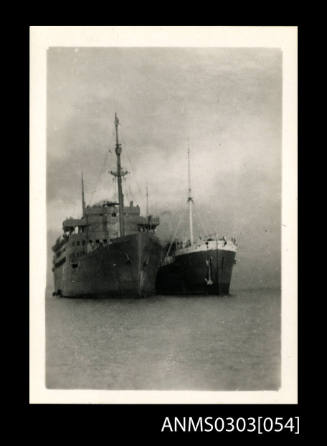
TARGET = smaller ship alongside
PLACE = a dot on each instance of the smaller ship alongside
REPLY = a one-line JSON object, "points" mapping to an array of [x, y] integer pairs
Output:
{"points": [[197, 267], [110, 251]]}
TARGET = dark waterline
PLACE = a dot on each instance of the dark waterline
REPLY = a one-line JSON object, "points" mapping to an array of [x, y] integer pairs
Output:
{"points": [[165, 342]]}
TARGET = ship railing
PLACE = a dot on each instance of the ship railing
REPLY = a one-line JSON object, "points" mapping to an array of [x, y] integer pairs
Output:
{"points": [[182, 244], [214, 237]]}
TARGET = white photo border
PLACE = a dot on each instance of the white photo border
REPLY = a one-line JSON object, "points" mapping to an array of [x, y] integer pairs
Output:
{"points": [[44, 37]]}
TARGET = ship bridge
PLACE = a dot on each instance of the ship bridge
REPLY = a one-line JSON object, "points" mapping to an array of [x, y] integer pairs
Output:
{"points": [[70, 224], [100, 221]]}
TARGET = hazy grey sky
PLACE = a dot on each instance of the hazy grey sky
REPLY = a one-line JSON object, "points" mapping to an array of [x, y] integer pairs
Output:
{"points": [[226, 102]]}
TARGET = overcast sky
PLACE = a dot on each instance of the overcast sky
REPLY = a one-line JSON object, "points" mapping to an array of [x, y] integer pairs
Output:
{"points": [[225, 102]]}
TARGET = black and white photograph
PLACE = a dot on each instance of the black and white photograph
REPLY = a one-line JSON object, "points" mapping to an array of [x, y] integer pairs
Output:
{"points": [[165, 190]]}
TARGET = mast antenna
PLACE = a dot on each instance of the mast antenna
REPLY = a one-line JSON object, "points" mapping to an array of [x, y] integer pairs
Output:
{"points": [[119, 174], [83, 198], [189, 198], [147, 200]]}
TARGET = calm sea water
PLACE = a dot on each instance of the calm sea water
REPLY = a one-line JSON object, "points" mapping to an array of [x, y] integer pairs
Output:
{"points": [[165, 343]]}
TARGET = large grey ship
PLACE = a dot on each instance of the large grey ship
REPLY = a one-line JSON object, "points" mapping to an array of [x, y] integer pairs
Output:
{"points": [[110, 251]]}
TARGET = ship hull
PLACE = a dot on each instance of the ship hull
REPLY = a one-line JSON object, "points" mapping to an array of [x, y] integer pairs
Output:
{"points": [[201, 272], [125, 268]]}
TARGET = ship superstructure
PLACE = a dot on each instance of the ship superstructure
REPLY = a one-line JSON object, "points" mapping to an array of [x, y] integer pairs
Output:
{"points": [[110, 251], [203, 266]]}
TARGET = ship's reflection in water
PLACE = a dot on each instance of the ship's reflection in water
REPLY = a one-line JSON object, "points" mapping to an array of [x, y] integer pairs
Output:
{"points": [[165, 343]]}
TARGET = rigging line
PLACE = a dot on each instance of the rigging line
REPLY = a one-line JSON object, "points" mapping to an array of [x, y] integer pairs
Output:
{"points": [[202, 225], [139, 189], [131, 167], [103, 166], [208, 217], [174, 236], [129, 191]]}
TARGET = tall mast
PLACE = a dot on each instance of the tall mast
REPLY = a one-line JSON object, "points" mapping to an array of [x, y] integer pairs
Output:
{"points": [[119, 174], [147, 200], [83, 198], [189, 198]]}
